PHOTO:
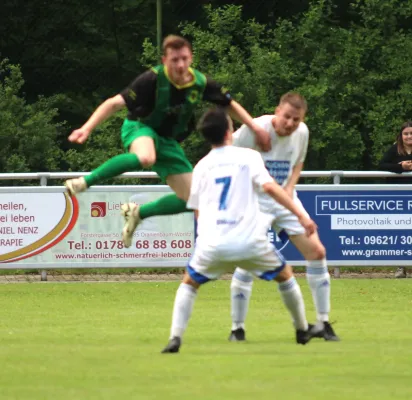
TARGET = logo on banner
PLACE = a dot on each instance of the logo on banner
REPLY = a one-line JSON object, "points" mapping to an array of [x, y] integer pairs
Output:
{"points": [[98, 209], [35, 222]]}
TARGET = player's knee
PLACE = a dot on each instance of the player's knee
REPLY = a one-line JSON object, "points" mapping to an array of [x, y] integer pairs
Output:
{"points": [[147, 160], [319, 252], [180, 185], [183, 194], [315, 252], [187, 279], [285, 274]]}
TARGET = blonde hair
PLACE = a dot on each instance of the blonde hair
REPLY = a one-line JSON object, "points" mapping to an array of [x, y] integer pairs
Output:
{"points": [[296, 100]]}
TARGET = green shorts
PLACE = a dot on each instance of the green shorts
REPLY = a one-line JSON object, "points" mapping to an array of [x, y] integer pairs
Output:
{"points": [[170, 157]]}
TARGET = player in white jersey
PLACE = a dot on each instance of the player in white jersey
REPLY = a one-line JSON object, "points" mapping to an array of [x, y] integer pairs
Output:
{"points": [[289, 139], [231, 228]]}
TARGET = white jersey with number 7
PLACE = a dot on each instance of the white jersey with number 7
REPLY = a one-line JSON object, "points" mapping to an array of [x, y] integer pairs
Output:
{"points": [[225, 189]]}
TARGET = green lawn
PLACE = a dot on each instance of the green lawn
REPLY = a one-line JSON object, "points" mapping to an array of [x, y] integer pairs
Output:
{"points": [[103, 341]]}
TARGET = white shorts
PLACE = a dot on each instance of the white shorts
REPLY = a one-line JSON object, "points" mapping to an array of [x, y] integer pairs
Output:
{"points": [[284, 220], [260, 258]]}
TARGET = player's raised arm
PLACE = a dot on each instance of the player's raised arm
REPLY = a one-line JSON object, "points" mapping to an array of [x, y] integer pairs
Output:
{"points": [[217, 94], [237, 112], [103, 112]]}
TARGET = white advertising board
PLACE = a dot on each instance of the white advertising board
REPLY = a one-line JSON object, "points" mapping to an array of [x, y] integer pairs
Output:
{"points": [[42, 229]]}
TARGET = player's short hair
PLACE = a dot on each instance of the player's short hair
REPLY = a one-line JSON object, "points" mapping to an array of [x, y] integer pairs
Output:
{"points": [[175, 42], [296, 100], [213, 125], [399, 139]]}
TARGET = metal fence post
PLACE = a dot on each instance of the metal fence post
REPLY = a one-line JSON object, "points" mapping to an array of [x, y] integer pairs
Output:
{"points": [[336, 177], [43, 182], [43, 179], [336, 181], [43, 275]]}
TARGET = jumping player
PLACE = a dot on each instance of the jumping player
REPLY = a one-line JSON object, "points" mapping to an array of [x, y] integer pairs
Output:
{"points": [[160, 104]]}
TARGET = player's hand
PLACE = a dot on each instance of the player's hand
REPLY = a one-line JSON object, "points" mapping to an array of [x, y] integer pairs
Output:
{"points": [[79, 135], [262, 138], [309, 225]]}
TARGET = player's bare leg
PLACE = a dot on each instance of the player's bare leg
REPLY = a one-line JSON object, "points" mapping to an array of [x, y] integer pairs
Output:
{"points": [[180, 184]]}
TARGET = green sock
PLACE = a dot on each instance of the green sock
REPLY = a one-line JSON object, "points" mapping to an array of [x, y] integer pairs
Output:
{"points": [[166, 205], [113, 167]]}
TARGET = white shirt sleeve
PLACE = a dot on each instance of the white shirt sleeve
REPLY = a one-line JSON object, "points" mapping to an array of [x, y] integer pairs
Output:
{"points": [[195, 189], [244, 137], [260, 174], [304, 144]]}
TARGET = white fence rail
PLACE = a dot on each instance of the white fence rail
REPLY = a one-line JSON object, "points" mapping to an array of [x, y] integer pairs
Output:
{"points": [[335, 175]]}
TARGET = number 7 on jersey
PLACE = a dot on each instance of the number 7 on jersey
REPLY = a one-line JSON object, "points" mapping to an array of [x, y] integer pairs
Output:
{"points": [[226, 180]]}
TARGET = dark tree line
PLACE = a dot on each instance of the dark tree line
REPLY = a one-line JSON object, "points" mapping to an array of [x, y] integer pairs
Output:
{"points": [[349, 58]]}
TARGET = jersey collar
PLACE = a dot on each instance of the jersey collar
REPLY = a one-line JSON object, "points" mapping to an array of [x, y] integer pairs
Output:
{"points": [[186, 85]]}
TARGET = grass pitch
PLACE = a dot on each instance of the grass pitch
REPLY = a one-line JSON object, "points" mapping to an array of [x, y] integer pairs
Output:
{"points": [[103, 341]]}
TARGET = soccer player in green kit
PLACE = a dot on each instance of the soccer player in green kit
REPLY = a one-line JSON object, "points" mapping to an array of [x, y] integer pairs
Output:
{"points": [[160, 104]]}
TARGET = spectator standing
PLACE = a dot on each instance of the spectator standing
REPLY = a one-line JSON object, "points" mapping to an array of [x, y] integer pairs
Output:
{"points": [[398, 158]]}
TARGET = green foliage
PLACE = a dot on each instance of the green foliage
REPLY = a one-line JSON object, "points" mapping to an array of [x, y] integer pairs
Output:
{"points": [[101, 145], [28, 132], [353, 72], [348, 57]]}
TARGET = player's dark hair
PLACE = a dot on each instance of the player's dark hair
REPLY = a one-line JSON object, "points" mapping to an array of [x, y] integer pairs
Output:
{"points": [[175, 42], [213, 125], [399, 140]]}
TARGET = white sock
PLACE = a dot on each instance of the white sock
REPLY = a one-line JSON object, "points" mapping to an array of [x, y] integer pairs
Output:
{"points": [[240, 292], [318, 278], [293, 300], [182, 309]]}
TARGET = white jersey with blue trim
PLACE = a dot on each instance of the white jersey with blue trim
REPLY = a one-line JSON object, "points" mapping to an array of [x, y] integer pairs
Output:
{"points": [[225, 189], [286, 152]]}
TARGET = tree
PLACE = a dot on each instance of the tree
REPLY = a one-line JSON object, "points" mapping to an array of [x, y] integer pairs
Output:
{"points": [[352, 72], [102, 144], [86, 50], [27, 131], [348, 57]]}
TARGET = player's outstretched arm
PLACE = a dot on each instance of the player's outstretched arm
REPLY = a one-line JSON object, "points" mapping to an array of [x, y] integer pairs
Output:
{"points": [[237, 112], [294, 178], [103, 112], [278, 193]]}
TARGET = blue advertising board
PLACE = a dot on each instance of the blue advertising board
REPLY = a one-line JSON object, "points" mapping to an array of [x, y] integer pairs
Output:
{"points": [[358, 225]]}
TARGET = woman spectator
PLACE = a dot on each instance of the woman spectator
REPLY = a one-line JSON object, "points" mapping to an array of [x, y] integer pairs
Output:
{"points": [[398, 158]]}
